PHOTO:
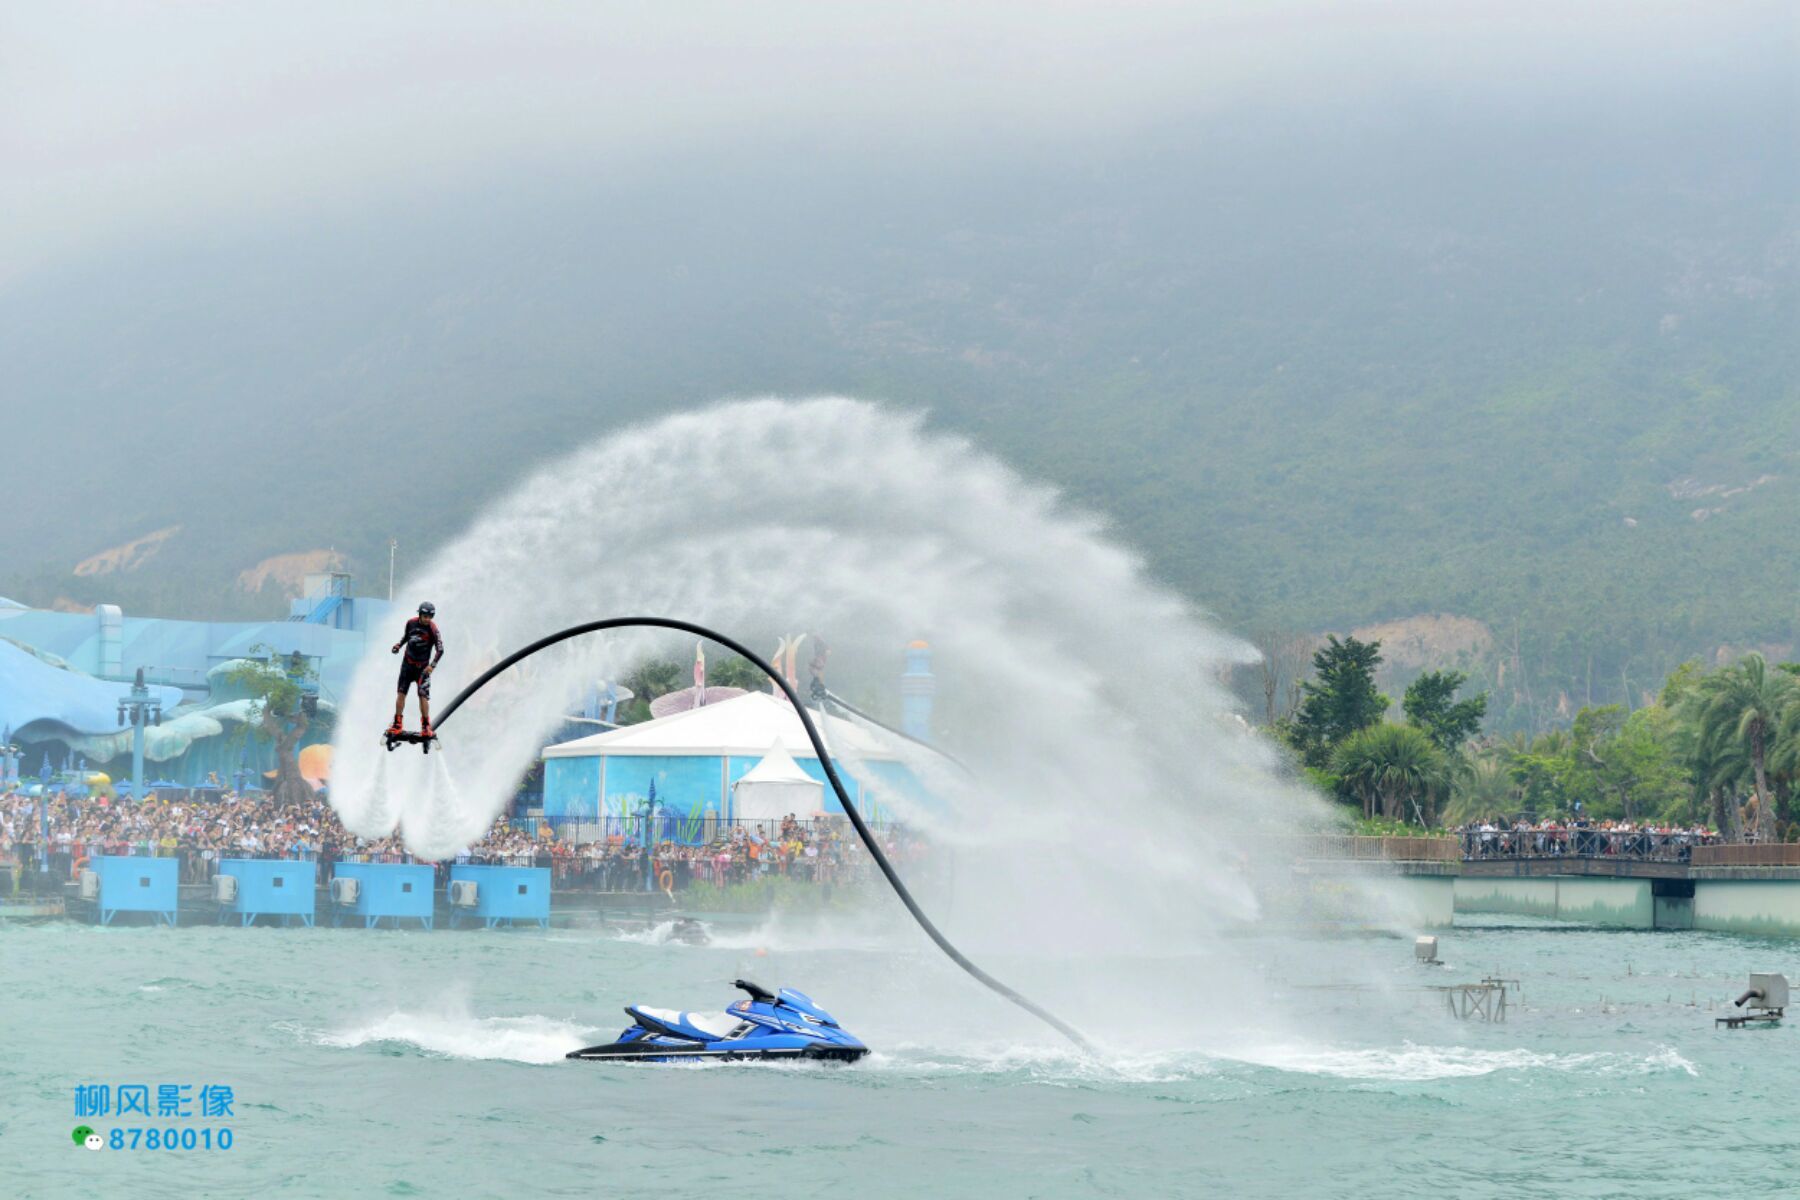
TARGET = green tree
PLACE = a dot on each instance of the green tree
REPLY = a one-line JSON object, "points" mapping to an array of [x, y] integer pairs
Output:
{"points": [[1341, 700], [1784, 764], [1540, 769], [736, 671], [1483, 790], [283, 695], [1743, 706], [1430, 704], [1625, 766], [1714, 770], [1680, 685], [1395, 770], [657, 677]]}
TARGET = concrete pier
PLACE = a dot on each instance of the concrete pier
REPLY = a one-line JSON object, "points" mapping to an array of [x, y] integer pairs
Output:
{"points": [[1586, 900], [1376, 882], [1753, 889], [1747, 889]]}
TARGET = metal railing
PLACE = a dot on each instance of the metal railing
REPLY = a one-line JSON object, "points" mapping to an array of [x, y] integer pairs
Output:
{"points": [[1741, 854], [1358, 847], [675, 829], [1629, 845]]}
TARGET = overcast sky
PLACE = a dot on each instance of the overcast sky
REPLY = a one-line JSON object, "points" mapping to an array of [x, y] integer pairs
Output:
{"points": [[121, 120]]}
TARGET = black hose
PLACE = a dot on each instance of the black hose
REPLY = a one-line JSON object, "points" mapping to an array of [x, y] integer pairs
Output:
{"points": [[818, 743]]}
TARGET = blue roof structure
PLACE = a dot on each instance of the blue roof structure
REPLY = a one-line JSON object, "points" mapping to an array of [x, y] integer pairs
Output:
{"points": [[38, 700]]}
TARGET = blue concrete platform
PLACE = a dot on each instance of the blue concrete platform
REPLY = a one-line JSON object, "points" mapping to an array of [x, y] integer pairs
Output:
{"points": [[132, 884], [268, 887], [503, 895], [401, 891]]}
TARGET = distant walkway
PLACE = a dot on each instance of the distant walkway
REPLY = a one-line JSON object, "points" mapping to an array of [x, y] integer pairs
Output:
{"points": [[1543, 852], [1554, 842]]}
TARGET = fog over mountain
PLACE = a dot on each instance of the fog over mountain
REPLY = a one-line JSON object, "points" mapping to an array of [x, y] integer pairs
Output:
{"points": [[1485, 312]]}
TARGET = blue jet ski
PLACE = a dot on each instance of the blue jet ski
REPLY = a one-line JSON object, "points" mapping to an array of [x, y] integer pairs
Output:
{"points": [[782, 1024]]}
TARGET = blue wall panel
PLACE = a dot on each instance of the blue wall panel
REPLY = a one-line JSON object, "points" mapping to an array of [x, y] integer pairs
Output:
{"points": [[684, 784], [282, 887], [396, 890], [505, 894], [572, 787], [134, 884]]}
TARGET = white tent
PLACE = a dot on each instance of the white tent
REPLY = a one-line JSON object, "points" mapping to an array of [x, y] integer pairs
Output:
{"points": [[775, 787], [692, 758], [741, 727]]}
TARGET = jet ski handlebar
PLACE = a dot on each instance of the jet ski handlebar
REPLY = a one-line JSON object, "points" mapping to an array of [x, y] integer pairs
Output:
{"points": [[757, 992]]}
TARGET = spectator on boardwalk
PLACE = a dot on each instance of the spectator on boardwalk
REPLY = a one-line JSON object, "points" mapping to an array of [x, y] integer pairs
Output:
{"points": [[1550, 837]]}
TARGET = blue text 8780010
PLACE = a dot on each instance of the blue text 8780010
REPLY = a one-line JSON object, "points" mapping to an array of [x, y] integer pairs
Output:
{"points": [[170, 1138]]}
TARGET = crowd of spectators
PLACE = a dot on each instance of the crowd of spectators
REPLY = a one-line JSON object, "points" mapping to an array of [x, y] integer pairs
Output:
{"points": [[808, 851], [203, 826], [1552, 837]]}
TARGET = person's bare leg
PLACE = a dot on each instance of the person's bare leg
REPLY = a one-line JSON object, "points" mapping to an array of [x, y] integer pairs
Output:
{"points": [[400, 711], [425, 714]]}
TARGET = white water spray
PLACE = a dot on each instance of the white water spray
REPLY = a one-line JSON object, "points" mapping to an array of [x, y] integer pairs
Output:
{"points": [[1114, 789]]}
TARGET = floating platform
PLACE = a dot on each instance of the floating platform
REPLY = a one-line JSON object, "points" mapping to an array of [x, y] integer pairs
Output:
{"points": [[1484, 1001], [1763, 1020], [499, 896], [39, 910], [375, 892], [126, 884], [266, 887]]}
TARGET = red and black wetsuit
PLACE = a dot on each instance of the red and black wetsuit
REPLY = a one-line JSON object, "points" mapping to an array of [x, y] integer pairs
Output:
{"points": [[417, 644]]}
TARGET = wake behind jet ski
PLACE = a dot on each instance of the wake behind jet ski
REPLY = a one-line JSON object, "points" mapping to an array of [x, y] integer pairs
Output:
{"points": [[689, 932], [784, 1024]]}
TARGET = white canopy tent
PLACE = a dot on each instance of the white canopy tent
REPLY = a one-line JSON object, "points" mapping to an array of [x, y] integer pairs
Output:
{"points": [[743, 726], [775, 787], [694, 759]]}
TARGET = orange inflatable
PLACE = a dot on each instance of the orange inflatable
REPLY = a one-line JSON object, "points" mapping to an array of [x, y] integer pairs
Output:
{"points": [[315, 764]]}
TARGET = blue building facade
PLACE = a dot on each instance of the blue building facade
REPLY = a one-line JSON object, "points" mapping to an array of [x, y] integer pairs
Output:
{"points": [[918, 690], [617, 786], [88, 656]]}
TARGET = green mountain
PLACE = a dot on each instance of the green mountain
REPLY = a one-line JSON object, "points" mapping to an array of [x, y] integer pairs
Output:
{"points": [[1531, 368]]}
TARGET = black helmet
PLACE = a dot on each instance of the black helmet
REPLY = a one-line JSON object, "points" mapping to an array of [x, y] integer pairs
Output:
{"points": [[428, 609]]}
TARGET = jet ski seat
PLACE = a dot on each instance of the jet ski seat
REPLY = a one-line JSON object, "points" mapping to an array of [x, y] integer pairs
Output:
{"points": [[702, 1027]]}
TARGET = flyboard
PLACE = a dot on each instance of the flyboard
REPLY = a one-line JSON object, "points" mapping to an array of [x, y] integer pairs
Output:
{"points": [[395, 737]]}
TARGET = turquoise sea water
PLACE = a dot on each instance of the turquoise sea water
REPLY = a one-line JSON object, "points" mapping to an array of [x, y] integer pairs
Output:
{"points": [[384, 1063]]}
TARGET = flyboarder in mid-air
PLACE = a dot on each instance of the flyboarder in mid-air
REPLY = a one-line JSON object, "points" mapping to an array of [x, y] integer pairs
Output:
{"points": [[424, 647]]}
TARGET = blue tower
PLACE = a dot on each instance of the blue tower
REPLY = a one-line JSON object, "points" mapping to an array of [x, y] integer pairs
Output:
{"points": [[917, 686]]}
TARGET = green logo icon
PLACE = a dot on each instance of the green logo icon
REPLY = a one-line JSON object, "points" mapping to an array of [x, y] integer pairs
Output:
{"points": [[84, 1135]]}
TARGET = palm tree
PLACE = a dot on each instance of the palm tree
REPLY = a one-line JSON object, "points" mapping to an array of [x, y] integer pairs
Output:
{"points": [[1533, 766], [1742, 707], [1393, 768], [1717, 769], [1784, 760], [1484, 788]]}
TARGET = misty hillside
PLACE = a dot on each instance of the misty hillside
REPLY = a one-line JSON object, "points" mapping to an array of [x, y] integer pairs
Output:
{"points": [[1530, 367]]}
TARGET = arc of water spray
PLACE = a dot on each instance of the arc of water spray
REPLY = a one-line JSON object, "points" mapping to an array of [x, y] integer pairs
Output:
{"points": [[837, 785], [837, 701]]}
